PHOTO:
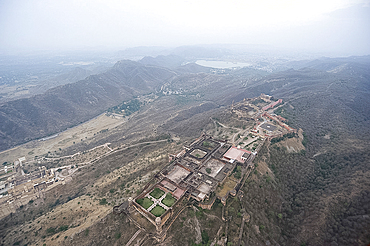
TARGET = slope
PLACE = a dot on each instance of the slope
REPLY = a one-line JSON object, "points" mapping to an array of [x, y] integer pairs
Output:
{"points": [[71, 104]]}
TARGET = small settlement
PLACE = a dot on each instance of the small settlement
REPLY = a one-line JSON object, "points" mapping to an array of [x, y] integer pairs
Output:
{"points": [[18, 188], [24, 181]]}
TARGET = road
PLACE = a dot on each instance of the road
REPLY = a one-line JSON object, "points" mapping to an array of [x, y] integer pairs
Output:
{"points": [[133, 238]]}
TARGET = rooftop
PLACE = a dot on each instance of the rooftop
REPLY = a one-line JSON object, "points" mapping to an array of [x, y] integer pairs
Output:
{"points": [[177, 174], [213, 166], [235, 154], [268, 127]]}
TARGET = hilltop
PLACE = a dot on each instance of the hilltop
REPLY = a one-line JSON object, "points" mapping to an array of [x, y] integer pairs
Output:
{"points": [[307, 189]]}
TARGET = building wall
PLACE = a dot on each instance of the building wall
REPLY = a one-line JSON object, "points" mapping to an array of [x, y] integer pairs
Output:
{"points": [[145, 213], [208, 205], [166, 216]]}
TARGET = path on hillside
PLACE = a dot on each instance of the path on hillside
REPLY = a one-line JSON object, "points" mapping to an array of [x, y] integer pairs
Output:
{"points": [[111, 151], [138, 144], [133, 237], [233, 138], [115, 150]]}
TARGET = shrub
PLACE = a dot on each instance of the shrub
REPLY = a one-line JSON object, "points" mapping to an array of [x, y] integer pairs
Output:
{"points": [[206, 144], [50, 230], [205, 237], [191, 213], [63, 228], [103, 201], [117, 235]]}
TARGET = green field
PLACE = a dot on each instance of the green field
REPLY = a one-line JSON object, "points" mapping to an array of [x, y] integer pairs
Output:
{"points": [[169, 200], [158, 211], [157, 193], [145, 202]]}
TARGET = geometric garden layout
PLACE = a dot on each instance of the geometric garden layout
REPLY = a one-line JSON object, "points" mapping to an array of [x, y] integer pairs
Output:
{"points": [[157, 202]]}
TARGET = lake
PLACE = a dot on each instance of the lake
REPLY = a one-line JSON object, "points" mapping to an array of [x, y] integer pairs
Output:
{"points": [[221, 64]]}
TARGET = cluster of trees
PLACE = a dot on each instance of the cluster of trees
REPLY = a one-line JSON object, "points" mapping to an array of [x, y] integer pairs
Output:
{"points": [[327, 194], [306, 187], [288, 135], [127, 108]]}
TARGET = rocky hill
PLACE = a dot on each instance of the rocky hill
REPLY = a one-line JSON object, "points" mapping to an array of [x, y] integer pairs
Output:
{"points": [[71, 104]]}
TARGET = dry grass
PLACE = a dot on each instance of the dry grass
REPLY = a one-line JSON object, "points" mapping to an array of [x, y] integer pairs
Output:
{"points": [[292, 144], [228, 185], [65, 139], [78, 214]]}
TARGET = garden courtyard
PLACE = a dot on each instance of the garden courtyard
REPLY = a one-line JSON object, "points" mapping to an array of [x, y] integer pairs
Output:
{"points": [[157, 201]]}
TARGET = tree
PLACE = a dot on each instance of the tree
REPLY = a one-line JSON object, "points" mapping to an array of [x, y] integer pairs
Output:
{"points": [[205, 237], [103, 201], [63, 228]]}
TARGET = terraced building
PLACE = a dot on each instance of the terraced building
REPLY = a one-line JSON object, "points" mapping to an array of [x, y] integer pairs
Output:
{"points": [[194, 173]]}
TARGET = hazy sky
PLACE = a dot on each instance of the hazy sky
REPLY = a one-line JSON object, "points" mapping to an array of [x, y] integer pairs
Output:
{"points": [[323, 25]]}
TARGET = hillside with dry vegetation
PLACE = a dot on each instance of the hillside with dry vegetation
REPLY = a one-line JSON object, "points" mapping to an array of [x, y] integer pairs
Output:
{"points": [[308, 187]]}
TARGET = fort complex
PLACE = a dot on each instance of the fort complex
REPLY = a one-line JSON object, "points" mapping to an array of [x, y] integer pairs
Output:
{"points": [[207, 169], [193, 174]]}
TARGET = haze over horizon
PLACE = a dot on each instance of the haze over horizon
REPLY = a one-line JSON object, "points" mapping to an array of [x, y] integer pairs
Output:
{"points": [[337, 27]]}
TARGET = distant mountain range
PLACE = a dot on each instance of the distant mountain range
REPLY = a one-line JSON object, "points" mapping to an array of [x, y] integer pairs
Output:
{"points": [[68, 105], [345, 81]]}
